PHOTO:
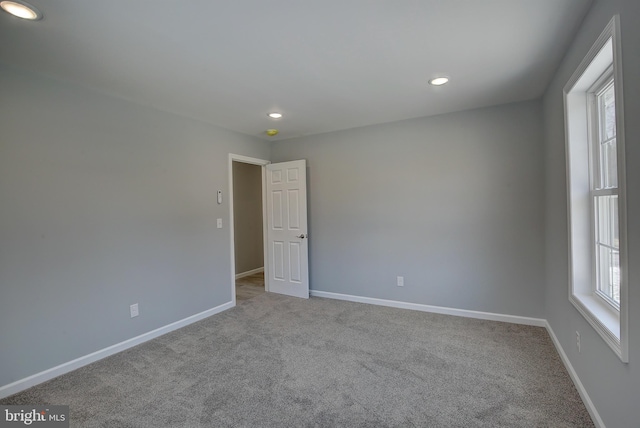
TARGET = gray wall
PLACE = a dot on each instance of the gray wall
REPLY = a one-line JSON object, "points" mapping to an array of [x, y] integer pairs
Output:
{"points": [[247, 216], [613, 386], [453, 203], [103, 203]]}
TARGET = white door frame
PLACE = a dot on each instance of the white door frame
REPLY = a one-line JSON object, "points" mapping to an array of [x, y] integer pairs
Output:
{"points": [[262, 163]]}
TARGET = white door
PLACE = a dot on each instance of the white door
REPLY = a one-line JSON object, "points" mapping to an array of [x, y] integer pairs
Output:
{"points": [[287, 241]]}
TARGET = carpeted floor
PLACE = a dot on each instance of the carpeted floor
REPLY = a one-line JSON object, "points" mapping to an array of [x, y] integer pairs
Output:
{"points": [[276, 361]]}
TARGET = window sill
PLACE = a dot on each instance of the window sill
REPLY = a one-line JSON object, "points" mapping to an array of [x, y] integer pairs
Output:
{"points": [[604, 319]]}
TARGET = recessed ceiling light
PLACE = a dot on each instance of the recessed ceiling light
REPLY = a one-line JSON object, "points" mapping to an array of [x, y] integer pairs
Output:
{"points": [[275, 115], [439, 81], [21, 10]]}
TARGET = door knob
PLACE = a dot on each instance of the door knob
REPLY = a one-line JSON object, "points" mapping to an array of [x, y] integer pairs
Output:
{"points": [[301, 236]]}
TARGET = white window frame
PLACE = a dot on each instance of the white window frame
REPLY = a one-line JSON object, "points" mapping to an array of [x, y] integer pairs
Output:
{"points": [[608, 320], [594, 93]]}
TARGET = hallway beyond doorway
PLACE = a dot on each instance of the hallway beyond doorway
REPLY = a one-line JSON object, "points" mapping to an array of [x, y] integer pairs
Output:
{"points": [[250, 286]]}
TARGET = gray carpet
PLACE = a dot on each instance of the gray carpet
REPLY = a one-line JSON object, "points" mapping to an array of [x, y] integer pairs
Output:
{"points": [[275, 361]]}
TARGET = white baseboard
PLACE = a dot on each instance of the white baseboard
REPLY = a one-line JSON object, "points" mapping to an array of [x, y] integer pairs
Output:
{"points": [[514, 319], [249, 272], [595, 416], [67, 367], [28, 382]]}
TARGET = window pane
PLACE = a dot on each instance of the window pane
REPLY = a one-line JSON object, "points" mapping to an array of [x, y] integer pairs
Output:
{"points": [[607, 246], [607, 175], [607, 220], [609, 107], [609, 164], [609, 273]]}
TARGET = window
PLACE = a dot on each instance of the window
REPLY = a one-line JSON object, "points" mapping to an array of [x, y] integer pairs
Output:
{"points": [[604, 191], [596, 191]]}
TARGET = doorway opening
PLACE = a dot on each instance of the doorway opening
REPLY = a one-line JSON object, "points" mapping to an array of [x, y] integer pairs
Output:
{"points": [[284, 226], [247, 227]]}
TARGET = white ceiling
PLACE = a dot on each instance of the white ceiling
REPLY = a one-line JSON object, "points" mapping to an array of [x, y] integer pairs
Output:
{"points": [[327, 65]]}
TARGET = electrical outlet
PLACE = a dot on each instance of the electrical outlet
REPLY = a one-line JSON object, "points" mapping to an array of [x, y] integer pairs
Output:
{"points": [[219, 223], [134, 310], [401, 281], [578, 340]]}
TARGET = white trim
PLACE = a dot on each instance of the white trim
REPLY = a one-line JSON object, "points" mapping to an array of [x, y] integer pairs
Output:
{"points": [[249, 272], [262, 163], [607, 33], [591, 408], [265, 243], [622, 189], [514, 319], [67, 367], [601, 317], [28, 382], [247, 159], [605, 52]]}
